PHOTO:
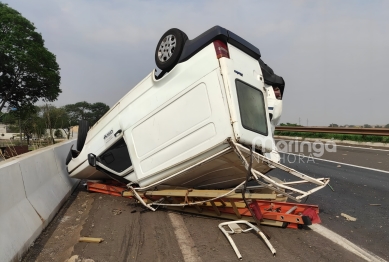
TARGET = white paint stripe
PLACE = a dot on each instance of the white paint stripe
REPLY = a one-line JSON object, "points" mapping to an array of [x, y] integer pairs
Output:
{"points": [[377, 149], [341, 241], [185, 241], [367, 148], [325, 160]]}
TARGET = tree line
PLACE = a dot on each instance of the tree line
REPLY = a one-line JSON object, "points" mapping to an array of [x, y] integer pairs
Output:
{"points": [[30, 73], [364, 126], [34, 121]]}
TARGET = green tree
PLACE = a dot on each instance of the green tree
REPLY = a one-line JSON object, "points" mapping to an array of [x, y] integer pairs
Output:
{"points": [[334, 125], [26, 120], [97, 110], [366, 126], [77, 112], [85, 111], [58, 133], [289, 124], [28, 71], [55, 118], [33, 126]]}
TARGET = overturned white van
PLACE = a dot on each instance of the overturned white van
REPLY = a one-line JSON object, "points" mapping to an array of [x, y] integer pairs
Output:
{"points": [[191, 126]]}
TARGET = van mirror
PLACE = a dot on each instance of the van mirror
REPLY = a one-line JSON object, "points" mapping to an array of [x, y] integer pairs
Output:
{"points": [[92, 159]]}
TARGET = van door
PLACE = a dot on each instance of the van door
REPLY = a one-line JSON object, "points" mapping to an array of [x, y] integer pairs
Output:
{"points": [[246, 97]]}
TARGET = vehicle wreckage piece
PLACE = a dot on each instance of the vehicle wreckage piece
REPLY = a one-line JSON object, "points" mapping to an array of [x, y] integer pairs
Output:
{"points": [[272, 184], [272, 209], [236, 229]]}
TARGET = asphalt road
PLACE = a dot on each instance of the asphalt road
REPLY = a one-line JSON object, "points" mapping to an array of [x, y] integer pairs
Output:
{"points": [[131, 234], [355, 190], [376, 158]]}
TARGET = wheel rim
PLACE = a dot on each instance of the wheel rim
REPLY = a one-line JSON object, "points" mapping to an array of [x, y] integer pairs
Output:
{"points": [[166, 48]]}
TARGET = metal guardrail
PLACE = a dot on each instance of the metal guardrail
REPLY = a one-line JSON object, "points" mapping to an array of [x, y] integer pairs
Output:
{"points": [[337, 130]]}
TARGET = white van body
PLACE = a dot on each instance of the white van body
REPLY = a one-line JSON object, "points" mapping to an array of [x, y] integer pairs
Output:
{"points": [[176, 128]]}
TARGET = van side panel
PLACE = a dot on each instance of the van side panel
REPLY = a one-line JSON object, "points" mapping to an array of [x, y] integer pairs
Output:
{"points": [[193, 107], [188, 125]]}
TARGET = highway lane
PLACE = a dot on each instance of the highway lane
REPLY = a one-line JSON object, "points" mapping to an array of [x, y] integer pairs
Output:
{"points": [[135, 235], [355, 190], [376, 158]]}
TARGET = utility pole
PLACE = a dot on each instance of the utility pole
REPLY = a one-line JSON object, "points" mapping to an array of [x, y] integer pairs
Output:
{"points": [[299, 122], [307, 121]]}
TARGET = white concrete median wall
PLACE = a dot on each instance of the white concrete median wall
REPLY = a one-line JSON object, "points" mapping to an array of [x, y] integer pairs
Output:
{"points": [[33, 187]]}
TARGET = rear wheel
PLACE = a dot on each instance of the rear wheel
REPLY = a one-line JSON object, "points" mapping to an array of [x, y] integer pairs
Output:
{"points": [[169, 49], [83, 128]]}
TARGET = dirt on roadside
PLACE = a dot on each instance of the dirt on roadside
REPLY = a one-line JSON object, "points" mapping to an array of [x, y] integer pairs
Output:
{"points": [[130, 232]]}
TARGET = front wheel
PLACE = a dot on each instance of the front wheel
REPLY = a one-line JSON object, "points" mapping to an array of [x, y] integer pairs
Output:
{"points": [[169, 49]]}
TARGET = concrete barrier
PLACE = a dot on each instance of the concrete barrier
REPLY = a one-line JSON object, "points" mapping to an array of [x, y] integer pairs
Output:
{"points": [[20, 225], [60, 154], [33, 187]]}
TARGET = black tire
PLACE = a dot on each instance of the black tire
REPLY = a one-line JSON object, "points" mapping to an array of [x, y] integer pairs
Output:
{"points": [[169, 49], [83, 128]]}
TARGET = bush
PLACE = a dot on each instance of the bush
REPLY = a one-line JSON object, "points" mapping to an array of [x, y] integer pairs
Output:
{"points": [[58, 134]]}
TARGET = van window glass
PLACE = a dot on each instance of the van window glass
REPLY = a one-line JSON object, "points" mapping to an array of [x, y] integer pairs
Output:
{"points": [[117, 157], [252, 108]]}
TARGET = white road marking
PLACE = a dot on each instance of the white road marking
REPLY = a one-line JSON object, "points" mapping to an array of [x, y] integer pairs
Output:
{"points": [[320, 159], [343, 242], [185, 241], [299, 141]]}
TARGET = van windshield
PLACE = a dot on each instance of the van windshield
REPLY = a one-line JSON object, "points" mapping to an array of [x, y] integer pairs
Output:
{"points": [[252, 108]]}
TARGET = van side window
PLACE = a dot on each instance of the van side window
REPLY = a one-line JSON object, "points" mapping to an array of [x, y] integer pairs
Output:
{"points": [[251, 107], [117, 157]]}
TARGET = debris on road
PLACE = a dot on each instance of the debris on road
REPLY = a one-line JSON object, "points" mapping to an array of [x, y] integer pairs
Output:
{"points": [[338, 166], [348, 218], [333, 190], [375, 204], [75, 258], [91, 239], [116, 211], [236, 229], [275, 211]]}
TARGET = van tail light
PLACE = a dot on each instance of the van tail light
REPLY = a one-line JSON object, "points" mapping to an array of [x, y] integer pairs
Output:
{"points": [[221, 49]]}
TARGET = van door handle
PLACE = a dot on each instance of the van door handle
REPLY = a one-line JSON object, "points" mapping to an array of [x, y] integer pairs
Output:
{"points": [[118, 132]]}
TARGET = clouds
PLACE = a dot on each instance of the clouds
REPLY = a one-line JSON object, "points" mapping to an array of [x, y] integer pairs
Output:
{"points": [[332, 54]]}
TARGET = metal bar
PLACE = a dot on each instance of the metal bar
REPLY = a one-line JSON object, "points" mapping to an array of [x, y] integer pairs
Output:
{"points": [[243, 159], [266, 178], [250, 226], [287, 183], [313, 190], [232, 243], [281, 166]]}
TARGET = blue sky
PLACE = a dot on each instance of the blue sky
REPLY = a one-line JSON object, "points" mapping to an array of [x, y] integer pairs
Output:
{"points": [[333, 55]]}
